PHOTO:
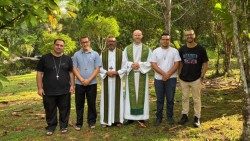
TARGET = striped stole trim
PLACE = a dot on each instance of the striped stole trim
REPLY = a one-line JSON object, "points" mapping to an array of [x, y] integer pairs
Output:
{"points": [[105, 57]]}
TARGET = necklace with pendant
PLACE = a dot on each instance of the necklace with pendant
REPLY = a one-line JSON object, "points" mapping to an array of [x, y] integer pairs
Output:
{"points": [[57, 69]]}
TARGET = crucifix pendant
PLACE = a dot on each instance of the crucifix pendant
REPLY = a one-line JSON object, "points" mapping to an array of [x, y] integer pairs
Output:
{"points": [[57, 77]]}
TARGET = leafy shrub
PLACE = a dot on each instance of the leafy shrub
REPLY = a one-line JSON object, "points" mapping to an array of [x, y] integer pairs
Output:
{"points": [[22, 66]]}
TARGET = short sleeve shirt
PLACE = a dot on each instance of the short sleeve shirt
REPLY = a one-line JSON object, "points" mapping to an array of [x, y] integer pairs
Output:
{"points": [[53, 66], [86, 63], [165, 59], [192, 60]]}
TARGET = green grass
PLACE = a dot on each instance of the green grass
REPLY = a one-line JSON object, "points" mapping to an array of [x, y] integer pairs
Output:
{"points": [[22, 116]]}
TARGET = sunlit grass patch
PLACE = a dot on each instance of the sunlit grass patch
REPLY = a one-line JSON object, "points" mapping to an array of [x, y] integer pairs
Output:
{"points": [[22, 96], [19, 83], [223, 128]]}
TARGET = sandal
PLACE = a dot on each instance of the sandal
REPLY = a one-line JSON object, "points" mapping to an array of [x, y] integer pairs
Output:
{"points": [[49, 133], [118, 125], [64, 130], [141, 124]]}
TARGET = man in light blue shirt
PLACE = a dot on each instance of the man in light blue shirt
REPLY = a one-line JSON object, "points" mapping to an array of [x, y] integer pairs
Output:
{"points": [[87, 65]]}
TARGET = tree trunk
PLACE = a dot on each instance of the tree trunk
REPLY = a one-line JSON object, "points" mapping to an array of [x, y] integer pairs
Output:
{"points": [[215, 38], [238, 49], [247, 120], [246, 114], [227, 52], [248, 58], [167, 16], [217, 61], [227, 58]]}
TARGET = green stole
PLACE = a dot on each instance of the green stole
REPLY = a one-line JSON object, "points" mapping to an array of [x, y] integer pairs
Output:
{"points": [[118, 57], [137, 107]]}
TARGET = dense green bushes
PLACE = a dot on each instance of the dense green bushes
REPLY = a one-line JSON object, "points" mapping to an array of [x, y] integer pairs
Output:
{"points": [[21, 66]]}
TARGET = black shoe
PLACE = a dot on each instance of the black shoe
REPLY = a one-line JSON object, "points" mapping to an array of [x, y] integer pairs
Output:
{"points": [[184, 119], [142, 121], [170, 121], [128, 122], [117, 124], [158, 122], [196, 122]]}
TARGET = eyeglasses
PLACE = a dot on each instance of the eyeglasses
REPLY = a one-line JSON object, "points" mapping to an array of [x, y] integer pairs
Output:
{"points": [[84, 42], [189, 34]]}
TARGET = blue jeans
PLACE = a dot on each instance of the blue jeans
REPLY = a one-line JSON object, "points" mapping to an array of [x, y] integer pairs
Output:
{"points": [[162, 89]]}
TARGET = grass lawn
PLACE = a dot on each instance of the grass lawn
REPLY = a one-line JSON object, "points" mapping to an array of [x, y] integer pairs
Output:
{"points": [[22, 115]]}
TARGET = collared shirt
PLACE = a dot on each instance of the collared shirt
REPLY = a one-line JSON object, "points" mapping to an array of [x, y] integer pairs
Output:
{"points": [[86, 63], [165, 59]]}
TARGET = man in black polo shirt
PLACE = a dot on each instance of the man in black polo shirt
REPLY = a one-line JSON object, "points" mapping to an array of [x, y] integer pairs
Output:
{"points": [[194, 64], [55, 82]]}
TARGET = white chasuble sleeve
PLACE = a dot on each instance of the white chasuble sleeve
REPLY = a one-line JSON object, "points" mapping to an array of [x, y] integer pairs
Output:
{"points": [[146, 66], [126, 64], [103, 72], [123, 69]]}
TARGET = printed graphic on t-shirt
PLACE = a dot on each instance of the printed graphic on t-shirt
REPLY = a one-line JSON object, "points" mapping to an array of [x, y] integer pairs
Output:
{"points": [[190, 58]]}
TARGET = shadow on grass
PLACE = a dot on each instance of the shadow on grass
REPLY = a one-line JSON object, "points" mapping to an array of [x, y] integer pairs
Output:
{"points": [[219, 103]]}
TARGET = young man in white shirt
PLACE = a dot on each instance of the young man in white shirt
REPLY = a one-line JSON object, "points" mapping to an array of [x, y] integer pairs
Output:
{"points": [[165, 62]]}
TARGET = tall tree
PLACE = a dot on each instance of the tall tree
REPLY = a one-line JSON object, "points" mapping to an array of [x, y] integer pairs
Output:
{"points": [[167, 15], [234, 9], [223, 30]]}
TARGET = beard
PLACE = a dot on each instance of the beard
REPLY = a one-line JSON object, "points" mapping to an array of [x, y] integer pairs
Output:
{"points": [[111, 47], [164, 46], [190, 40]]}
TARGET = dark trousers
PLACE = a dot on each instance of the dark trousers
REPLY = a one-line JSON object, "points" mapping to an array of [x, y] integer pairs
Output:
{"points": [[165, 89], [90, 92], [51, 103]]}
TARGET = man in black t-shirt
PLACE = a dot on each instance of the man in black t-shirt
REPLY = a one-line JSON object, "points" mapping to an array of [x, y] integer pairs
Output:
{"points": [[194, 64], [55, 82]]}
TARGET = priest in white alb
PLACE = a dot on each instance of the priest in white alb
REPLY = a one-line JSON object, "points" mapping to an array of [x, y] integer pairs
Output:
{"points": [[136, 57], [111, 105]]}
